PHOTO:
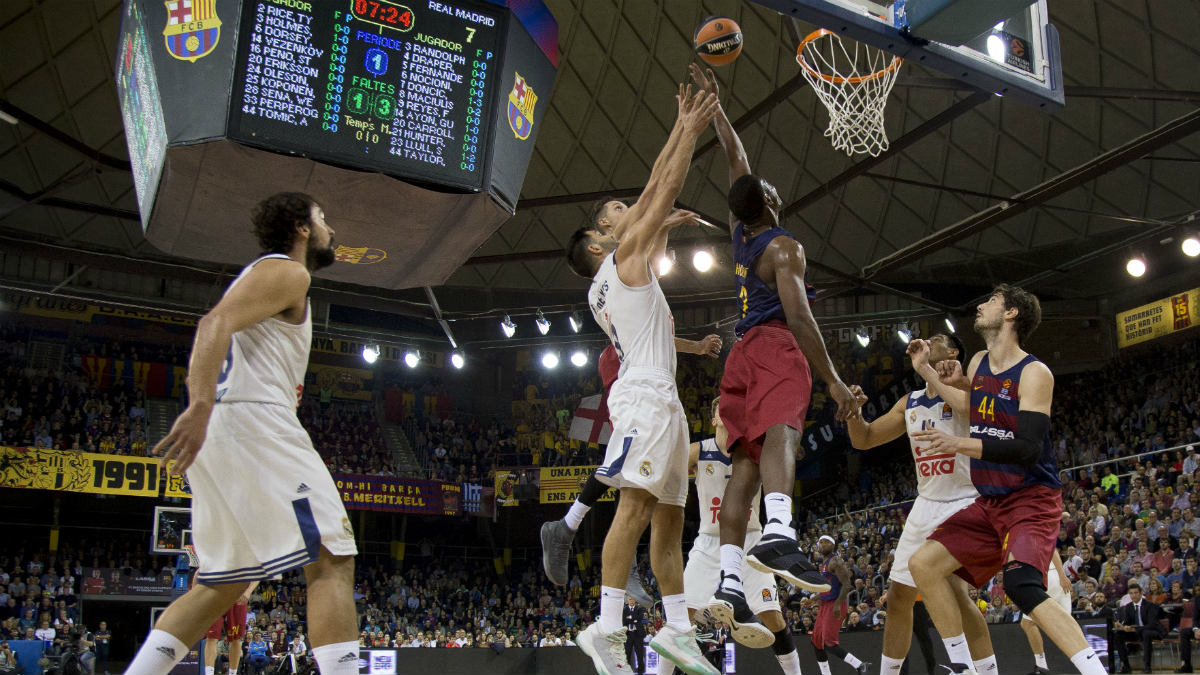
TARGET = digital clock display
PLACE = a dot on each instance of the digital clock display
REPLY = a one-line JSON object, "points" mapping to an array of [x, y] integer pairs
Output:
{"points": [[373, 84]]}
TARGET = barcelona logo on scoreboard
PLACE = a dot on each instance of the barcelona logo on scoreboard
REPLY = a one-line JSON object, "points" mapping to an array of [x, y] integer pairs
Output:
{"points": [[192, 28], [521, 101]]}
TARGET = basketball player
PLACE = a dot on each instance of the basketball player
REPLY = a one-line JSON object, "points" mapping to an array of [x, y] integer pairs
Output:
{"points": [[833, 609], [767, 384], [233, 625], [244, 381], [764, 625], [1058, 587], [1014, 523], [943, 488], [647, 458]]}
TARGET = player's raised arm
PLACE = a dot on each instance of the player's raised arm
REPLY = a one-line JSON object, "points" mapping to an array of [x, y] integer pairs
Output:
{"points": [[958, 399], [786, 258], [884, 429], [710, 346], [739, 164]]}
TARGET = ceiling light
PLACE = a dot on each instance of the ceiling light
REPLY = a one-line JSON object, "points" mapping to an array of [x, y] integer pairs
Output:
{"points": [[370, 353], [949, 323], [1136, 267], [579, 359], [543, 324], [575, 321], [1191, 247], [903, 332], [664, 266], [412, 358], [457, 360], [549, 360], [702, 260], [507, 325], [995, 48], [7, 118], [863, 337]]}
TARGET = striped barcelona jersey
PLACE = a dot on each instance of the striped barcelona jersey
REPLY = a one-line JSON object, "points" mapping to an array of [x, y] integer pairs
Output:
{"points": [[995, 400], [759, 302], [713, 469], [835, 584]]}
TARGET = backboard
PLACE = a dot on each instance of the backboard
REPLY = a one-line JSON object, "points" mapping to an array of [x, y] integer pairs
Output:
{"points": [[1017, 57], [172, 529]]}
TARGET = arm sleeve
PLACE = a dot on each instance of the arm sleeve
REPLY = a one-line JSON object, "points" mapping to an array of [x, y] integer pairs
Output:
{"points": [[1025, 449]]}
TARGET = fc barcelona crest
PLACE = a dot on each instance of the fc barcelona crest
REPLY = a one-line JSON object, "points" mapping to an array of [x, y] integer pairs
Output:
{"points": [[521, 101], [192, 28]]}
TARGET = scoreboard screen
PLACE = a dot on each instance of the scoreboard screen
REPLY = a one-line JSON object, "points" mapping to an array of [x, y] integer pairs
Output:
{"points": [[400, 88]]}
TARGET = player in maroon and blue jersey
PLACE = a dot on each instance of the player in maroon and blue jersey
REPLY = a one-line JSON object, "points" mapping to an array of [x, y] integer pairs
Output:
{"points": [[1014, 523], [832, 610]]}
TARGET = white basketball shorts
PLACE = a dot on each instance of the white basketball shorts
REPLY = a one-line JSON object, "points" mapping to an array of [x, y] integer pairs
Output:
{"points": [[703, 573], [649, 444], [262, 500], [923, 519]]}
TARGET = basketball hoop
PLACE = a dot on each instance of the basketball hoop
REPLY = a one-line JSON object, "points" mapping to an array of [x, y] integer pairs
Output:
{"points": [[854, 85], [190, 550]]}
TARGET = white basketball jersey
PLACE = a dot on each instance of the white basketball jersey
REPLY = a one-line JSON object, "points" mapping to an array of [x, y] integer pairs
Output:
{"points": [[637, 320], [713, 470], [266, 362], [945, 477]]}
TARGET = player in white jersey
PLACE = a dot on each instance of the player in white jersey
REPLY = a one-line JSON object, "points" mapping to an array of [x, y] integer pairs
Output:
{"points": [[758, 622], [262, 500], [943, 488], [646, 457]]}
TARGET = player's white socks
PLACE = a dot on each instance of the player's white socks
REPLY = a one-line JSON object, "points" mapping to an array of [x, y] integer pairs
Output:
{"points": [[159, 654], [790, 662], [1039, 660], [339, 658], [731, 567], [574, 517], [210, 670], [824, 666], [987, 666], [1085, 661], [779, 509], [890, 666], [612, 600], [233, 671], [957, 650], [851, 660], [675, 610]]}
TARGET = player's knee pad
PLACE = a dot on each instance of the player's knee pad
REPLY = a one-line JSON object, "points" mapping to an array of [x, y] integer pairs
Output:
{"points": [[1024, 586], [821, 655], [783, 642]]}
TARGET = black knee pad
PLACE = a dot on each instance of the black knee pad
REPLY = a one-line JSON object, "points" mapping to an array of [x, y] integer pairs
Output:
{"points": [[783, 642], [1023, 584], [821, 655]]}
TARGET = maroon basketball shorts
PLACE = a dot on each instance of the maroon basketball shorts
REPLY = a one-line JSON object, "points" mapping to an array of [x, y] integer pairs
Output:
{"points": [[766, 382]]}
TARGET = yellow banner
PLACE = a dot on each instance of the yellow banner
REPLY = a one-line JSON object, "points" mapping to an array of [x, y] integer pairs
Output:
{"points": [[352, 383], [1158, 318], [562, 484], [69, 471], [505, 481]]}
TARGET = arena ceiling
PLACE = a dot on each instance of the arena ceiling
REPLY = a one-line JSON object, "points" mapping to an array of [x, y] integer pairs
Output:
{"points": [[977, 189]]}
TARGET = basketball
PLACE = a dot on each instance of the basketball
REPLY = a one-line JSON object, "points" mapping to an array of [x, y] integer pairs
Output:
{"points": [[718, 41]]}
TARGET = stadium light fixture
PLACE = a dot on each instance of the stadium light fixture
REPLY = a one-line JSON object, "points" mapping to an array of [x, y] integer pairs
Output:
{"points": [[950, 323], [412, 358], [543, 324], [579, 358], [370, 353], [458, 360], [863, 337], [575, 321], [1136, 266], [507, 325], [702, 260], [549, 360], [1191, 246], [904, 333]]}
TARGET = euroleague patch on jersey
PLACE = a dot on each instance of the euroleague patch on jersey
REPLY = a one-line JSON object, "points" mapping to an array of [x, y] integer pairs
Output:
{"points": [[646, 469], [947, 413], [768, 595]]}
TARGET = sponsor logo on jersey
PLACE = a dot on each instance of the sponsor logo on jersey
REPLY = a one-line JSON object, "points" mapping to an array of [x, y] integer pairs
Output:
{"points": [[1002, 434], [935, 466], [303, 488]]}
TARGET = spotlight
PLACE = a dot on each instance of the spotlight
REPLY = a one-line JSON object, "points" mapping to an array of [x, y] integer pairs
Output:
{"points": [[1136, 267], [949, 323], [903, 332], [7, 117], [549, 360], [702, 260], [543, 324], [412, 358], [507, 325], [1191, 247], [863, 337], [664, 265], [579, 359], [370, 353], [575, 321], [995, 48], [457, 360]]}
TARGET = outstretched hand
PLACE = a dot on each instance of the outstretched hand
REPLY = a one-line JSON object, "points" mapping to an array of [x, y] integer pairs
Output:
{"points": [[695, 110], [846, 405], [679, 217], [710, 345], [704, 79], [918, 351]]}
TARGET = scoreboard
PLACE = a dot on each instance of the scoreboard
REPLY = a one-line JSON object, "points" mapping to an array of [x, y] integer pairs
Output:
{"points": [[403, 89]]}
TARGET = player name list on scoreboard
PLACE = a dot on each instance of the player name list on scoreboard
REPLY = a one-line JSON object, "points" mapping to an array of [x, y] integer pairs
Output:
{"points": [[400, 88]]}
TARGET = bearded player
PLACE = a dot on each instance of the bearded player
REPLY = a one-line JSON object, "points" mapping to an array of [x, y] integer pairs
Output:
{"points": [[943, 488], [244, 383], [1014, 523], [647, 457]]}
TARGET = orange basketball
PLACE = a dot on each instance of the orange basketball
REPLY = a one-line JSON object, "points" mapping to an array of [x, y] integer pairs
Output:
{"points": [[718, 40]]}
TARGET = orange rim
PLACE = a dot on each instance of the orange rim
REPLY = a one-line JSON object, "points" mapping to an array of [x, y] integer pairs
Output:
{"points": [[838, 79]]}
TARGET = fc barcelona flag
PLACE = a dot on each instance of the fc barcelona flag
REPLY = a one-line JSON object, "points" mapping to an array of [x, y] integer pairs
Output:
{"points": [[192, 28]]}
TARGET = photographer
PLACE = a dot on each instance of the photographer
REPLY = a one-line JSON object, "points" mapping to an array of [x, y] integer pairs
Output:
{"points": [[8, 661]]}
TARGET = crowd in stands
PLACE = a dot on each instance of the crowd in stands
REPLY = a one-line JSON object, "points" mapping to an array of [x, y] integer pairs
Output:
{"points": [[62, 409], [347, 436]]}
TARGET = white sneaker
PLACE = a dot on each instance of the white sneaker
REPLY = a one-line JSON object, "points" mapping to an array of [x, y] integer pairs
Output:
{"points": [[681, 648], [607, 650]]}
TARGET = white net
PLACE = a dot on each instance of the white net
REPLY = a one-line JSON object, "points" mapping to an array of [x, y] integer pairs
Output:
{"points": [[853, 81]]}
